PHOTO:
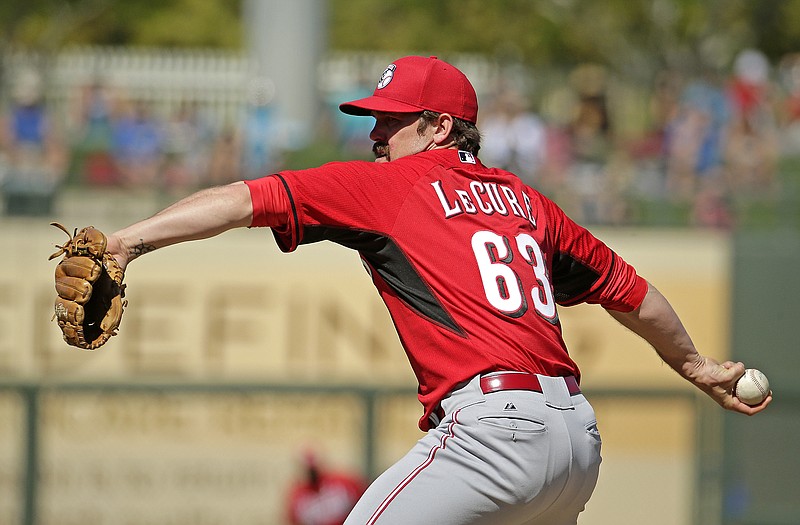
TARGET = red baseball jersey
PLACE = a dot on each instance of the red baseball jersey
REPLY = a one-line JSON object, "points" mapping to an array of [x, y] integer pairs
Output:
{"points": [[470, 262]]}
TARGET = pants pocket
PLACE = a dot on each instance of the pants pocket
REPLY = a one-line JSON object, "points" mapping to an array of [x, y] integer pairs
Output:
{"points": [[512, 425], [594, 432]]}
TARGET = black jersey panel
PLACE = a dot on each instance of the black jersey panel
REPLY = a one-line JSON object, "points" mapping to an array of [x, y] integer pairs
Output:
{"points": [[571, 279], [386, 258]]}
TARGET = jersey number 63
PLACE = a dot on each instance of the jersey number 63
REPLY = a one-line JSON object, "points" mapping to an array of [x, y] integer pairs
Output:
{"points": [[502, 285]]}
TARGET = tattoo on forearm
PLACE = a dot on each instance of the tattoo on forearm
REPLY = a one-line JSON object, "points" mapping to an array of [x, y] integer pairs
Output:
{"points": [[141, 249]]}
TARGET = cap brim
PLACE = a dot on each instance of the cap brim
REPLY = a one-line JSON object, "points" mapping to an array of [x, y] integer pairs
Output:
{"points": [[365, 106]]}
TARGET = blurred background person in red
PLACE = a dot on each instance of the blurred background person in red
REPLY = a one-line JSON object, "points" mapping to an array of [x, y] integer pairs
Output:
{"points": [[321, 496]]}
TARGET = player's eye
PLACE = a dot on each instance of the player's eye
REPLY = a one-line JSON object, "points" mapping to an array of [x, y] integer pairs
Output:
{"points": [[390, 122]]}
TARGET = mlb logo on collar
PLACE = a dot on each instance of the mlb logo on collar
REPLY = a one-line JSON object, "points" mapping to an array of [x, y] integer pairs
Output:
{"points": [[466, 157]]}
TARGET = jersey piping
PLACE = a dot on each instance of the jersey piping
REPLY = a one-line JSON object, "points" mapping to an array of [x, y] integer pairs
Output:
{"points": [[295, 220]]}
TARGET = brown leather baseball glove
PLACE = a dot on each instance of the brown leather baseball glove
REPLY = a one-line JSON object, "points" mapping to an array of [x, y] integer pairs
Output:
{"points": [[91, 294]]}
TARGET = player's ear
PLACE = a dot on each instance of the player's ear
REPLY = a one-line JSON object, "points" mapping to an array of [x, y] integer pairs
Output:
{"points": [[442, 129]]}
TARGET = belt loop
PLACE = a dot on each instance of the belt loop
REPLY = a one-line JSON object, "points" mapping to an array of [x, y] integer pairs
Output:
{"points": [[556, 393], [464, 394]]}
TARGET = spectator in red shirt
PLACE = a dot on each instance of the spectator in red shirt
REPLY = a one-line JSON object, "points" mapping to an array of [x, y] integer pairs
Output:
{"points": [[321, 496]]}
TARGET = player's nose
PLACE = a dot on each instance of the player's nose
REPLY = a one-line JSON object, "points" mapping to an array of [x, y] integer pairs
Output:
{"points": [[376, 135]]}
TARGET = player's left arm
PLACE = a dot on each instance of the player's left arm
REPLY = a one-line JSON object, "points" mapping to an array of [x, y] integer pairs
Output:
{"points": [[656, 322], [201, 215]]}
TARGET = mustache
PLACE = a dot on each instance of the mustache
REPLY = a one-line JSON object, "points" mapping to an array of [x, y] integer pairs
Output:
{"points": [[380, 149]]}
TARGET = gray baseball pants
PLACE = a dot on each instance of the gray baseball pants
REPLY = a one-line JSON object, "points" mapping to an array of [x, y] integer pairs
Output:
{"points": [[513, 457]]}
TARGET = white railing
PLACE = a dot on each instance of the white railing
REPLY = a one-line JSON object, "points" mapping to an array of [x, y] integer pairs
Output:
{"points": [[215, 79]]}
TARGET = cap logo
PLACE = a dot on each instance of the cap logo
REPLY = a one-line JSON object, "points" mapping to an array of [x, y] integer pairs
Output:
{"points": [[387, 76]]}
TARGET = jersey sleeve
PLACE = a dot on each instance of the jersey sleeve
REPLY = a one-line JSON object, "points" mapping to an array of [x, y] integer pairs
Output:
{"points": [[339, 199], [271, 205], [585, 270]]}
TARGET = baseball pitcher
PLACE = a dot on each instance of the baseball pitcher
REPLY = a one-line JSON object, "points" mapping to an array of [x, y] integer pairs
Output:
{"points": [[472, 265]]}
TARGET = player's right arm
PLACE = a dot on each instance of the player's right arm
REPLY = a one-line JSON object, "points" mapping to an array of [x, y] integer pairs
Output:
{"points": [[658, 324], [201, 215]]}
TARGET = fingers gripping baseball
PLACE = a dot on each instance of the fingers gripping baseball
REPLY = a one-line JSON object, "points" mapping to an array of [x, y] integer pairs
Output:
{"points": [[719, 380], [90, 290]]}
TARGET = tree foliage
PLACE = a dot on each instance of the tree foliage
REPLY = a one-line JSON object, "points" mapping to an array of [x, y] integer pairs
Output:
{"points": [[51, 24], [633, 36]]}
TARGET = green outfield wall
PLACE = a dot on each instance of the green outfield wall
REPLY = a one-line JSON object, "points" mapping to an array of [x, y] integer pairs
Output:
{"points": [[761, 463]]}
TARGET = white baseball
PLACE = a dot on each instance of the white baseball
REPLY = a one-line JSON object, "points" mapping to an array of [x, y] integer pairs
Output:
{"points": [[753, 387]]}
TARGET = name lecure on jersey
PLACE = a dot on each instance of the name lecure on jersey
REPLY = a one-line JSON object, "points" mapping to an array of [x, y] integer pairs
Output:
{"points": [[484, 197]]}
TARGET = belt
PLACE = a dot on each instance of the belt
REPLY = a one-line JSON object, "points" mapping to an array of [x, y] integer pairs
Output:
{"points": [[516, 381], [498, 381]]}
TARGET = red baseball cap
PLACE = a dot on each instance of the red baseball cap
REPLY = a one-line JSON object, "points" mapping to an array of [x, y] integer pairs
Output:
{"points": [[413, 84]]}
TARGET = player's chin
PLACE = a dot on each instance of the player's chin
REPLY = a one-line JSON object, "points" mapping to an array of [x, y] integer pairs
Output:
{"points": [[382, 159]]}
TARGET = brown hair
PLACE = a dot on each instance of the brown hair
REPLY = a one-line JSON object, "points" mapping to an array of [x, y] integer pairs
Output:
{"points": [[465, 134]]}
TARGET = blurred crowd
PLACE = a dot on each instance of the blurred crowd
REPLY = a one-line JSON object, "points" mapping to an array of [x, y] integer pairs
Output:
{"points": [[707, 143], [711, 144], [110, 139]]}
